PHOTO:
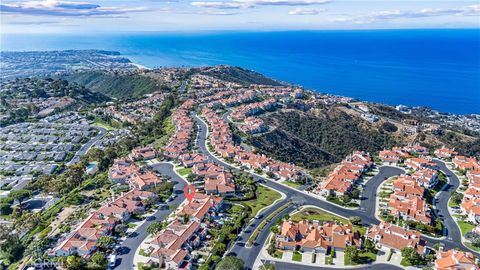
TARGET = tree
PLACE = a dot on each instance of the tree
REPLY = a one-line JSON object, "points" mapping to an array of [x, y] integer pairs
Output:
{"points": [[105, 241], [274, 229], [411, 257], [473, 238], [456, 197], [97, 262], [21, 194], [75, 262], [271, 249], [230, 263], [155, 227], [346, 199], [267, 266], [355, 220], [369, 245], [219, 248], [351, 253], [5, 209], [356, 193], [10, 246]]}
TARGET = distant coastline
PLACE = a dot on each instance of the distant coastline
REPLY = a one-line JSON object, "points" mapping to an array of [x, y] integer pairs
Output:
{"points": [[432, 68]]}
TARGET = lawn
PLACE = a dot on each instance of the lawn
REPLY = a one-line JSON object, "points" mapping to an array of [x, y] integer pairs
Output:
{"points": [[278, 254], [101, 123], [452, 203], [465, 227], [168, 128], [292, 184], [367, 256], [311, 213], [265, 197], [469, 245], [297, 256], [184, 171]]}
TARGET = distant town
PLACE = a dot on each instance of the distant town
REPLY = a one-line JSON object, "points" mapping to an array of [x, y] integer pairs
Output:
{"points": [[96, 181]]}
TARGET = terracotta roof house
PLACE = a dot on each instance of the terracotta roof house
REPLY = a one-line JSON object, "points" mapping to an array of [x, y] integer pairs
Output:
{"points": [[426, 177], [122, 170], [200, 205], [219, 184], [455, 260], [445, 152], [466, 163], [83, 241], [144, 153], [388, 236], [471, 207], [392, 157], [420, 163], [144, 180], [312, 236]]}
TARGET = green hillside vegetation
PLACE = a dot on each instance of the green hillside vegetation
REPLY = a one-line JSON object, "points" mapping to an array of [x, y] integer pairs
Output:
{"points": [[316, 141], [238, 75], [116, 85]]}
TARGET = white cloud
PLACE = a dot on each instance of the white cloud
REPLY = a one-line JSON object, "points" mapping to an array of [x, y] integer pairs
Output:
{"points": [[473, 10], [237, 4], [305, 11], [221, 5], [65, 8]]}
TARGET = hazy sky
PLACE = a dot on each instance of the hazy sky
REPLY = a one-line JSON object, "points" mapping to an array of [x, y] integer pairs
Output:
{"points": [[90, 16]]}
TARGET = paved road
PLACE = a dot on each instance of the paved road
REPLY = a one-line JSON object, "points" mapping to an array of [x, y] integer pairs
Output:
{"points": [[84, 149], [367, 207], [369, 193], [130, 245], [249, 255], [183, 86]]}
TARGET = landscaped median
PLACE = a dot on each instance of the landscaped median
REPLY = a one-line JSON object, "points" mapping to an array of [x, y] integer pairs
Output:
{"points": [[262, 225]]}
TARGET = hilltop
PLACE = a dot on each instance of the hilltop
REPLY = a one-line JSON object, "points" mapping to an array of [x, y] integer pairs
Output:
{"points": [[324, 135]]}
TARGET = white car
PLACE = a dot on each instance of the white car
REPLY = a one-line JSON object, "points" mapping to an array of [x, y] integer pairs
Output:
{"points": [[113, 260]]}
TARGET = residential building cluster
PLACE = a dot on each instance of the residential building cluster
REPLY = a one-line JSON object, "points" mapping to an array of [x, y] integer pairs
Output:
{"points": [[470, 204], [136, 111], [317, 237], [20, 63], [172, 247], [30, 149], [212, 178], [180, 141], [344, 177], [243, 111], [253, 125], [125, 171], [407, 200], [222, 143], [84, 239], [200, 81]]}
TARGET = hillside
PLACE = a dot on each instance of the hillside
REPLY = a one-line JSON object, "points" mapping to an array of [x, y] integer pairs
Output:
{"points": [[318, 140], [115, 85], [25, 98], [237, 75], [324, 136]]}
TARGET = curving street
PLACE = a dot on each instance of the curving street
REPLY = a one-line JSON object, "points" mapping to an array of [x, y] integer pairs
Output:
{"points": [[84, 149], [366, 211], [129, 246]]}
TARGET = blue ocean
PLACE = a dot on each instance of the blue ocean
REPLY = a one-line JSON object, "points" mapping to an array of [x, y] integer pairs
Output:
{"points": [[435, 68]]}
